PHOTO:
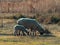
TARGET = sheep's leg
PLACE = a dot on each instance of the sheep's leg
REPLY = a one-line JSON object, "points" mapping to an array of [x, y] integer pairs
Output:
{"points": [[29, 32], [32, 32], [23, 33], [15, 32], [19, 32]]}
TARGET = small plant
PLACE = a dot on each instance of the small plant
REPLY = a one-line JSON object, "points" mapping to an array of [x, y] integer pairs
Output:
{"points": [[15, 17], [33, 17], [59, 23], [55, 19], [20, 16]]}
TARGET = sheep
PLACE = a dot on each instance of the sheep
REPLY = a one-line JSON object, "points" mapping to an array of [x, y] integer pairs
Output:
{"points": [[20, 28], [32, 24]]}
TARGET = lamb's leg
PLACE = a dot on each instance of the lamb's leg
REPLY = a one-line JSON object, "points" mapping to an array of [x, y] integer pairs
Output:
{"points": [[35, 32], [25, 31]]}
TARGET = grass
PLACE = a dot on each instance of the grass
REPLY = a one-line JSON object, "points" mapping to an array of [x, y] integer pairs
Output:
{"points": [[7, 38], [26, 40]]}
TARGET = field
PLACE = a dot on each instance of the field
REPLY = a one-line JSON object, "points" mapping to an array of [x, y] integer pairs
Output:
{"points": [[45, 11], [7, 37], [13, 40]]}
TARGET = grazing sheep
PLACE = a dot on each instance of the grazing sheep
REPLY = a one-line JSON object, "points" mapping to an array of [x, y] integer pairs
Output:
{"points": [[20, 28], [32, 24]]}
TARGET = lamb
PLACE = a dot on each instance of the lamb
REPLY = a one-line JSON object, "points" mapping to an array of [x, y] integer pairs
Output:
{"points": [[20, 28]]}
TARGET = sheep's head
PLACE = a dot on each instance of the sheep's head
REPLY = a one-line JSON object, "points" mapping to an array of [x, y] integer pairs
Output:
{"points": [[47, 32]]}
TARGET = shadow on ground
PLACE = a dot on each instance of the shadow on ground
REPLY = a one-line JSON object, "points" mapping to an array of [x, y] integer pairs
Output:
{"points": [[31, 36], [47, 36]]}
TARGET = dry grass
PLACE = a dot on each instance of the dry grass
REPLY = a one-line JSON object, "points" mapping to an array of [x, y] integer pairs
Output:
{"points": [[7, 38], [25, 40], [26, 6]]}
